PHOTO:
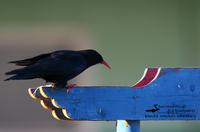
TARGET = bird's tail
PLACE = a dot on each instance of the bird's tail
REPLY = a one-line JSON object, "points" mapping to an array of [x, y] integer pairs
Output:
{"points": [[20, 75], [17, 71]]}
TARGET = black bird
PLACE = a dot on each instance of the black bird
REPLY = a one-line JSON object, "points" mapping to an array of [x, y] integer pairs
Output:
{"points": [[57, 67]]}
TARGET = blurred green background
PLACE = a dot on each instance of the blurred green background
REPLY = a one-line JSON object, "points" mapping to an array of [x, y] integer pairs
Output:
{"points": [[131, 35]]}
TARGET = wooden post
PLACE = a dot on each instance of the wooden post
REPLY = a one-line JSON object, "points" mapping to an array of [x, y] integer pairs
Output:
{"points": [[161, 94], [128, 126]]}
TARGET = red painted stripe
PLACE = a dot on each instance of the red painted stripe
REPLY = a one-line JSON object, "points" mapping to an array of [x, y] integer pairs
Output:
{"points": [[149, 75]]}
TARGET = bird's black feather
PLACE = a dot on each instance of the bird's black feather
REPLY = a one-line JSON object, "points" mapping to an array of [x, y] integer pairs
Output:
{"points": [[30, 61], [57, 67]]}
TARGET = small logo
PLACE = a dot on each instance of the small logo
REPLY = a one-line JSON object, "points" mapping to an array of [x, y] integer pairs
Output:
{"points": [[153, 110]]}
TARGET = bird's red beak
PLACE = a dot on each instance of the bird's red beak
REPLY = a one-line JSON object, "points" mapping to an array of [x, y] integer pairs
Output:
{"points": [[106, 64]]}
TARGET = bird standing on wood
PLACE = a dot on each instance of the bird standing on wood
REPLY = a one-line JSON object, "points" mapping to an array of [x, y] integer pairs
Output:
{"points": [[57, 67]]}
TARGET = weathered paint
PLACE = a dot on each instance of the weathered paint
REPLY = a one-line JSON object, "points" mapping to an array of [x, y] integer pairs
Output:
{"points": [[149, 75]]}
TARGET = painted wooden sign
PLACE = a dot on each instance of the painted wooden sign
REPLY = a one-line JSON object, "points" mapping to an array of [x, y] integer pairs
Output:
{"points": [[161, 94]]}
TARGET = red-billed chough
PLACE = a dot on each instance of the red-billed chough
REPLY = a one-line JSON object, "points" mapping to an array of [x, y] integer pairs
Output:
{"points": [[57, 67]]}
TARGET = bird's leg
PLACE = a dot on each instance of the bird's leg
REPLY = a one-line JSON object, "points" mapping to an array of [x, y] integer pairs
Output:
{"points": [[70, 86]]}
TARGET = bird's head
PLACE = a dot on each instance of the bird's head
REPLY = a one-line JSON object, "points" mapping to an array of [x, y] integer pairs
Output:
{"points": [[93, 57]]}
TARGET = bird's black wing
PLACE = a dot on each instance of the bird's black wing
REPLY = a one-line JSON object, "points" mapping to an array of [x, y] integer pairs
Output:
{"points": [[56, 66], [30, 61], [58, 63], [61, 62]]}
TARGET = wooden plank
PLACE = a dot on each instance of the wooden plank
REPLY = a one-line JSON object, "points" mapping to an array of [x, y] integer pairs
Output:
{"points": [[171, 95]]}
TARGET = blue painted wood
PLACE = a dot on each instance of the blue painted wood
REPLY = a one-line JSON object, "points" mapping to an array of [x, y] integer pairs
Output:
{"points": [[131, 126], [173, 95]]}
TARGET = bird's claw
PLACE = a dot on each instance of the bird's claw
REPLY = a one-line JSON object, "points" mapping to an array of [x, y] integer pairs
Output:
{"points": [[69, 86]]}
